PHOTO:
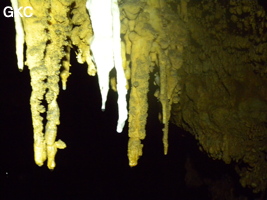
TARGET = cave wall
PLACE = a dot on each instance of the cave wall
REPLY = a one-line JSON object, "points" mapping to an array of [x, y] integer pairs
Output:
{"points": [[223, 98]]}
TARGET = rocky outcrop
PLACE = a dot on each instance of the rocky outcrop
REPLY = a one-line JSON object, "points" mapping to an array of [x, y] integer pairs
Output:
{"points": [[223, 99]]}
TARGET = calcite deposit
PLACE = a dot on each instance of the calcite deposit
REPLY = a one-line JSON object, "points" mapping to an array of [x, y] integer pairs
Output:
{"points": [[209, 63]]}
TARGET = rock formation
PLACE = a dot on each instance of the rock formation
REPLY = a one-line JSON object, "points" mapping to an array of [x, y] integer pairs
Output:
{"points": [[209, 63]]}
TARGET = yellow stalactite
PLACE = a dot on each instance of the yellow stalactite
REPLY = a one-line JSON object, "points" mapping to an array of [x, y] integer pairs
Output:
{"points": [[138, 104], [65, 73], [46, 39]]}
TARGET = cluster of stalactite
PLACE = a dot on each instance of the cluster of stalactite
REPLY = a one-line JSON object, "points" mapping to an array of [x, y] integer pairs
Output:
{"points": [[149, 44], [209, 63], [46, 37], [153, 47]]}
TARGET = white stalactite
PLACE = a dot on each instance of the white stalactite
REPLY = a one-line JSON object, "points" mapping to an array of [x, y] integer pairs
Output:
{"points": [[106, 49], [19, 35]]}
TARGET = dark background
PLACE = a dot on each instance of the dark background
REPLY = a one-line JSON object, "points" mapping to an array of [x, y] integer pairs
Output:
{"points": [[94, 165]]}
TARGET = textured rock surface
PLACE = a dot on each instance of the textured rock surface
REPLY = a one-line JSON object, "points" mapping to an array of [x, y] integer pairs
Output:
{"points": [[223, 99]]}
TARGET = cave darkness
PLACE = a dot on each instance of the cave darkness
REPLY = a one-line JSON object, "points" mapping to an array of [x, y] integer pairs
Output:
{"points": [[94, 165]]}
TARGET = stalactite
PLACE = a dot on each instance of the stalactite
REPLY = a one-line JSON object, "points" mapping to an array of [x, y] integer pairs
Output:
{"points": [[138, 97], [45, 50], [19, 36], [106, 49], [164, 100], [65, 73], [36, 45]]}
